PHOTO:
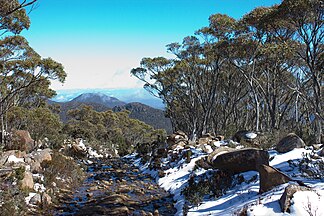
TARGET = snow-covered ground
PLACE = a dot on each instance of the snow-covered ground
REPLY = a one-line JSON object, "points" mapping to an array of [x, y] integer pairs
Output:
{"points": [[246, 195]]}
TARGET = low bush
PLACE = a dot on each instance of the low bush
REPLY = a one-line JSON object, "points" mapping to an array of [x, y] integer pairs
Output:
{"points": [[214, 185], [62, 172]]}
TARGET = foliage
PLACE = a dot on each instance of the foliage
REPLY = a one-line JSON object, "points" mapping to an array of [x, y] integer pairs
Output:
{"points": [[110, 129], [215, 185], [311, 168], [262, 72], [13, 202], [61, 172], [42, 123], [24, 75]]}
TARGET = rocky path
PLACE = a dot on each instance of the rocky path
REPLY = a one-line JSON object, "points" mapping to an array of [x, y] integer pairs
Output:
{"points": [[115, 187]]}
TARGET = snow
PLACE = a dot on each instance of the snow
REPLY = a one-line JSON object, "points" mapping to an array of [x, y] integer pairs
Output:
{"points": [[93, 154], [208, 148], [308, 203], [219, 143], [28, 198], [38, 176], [81, 145], [39, 187], [251, 135], [246, 195], [14, 159]]}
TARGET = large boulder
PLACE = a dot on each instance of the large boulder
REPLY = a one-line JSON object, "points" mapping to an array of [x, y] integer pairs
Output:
{"points": [[270, 178], [290, 142], [221, 150], [42, 155], [27, 182], [243, 135], [176, 137], [21, 140], [241, 160], [286, 197]]}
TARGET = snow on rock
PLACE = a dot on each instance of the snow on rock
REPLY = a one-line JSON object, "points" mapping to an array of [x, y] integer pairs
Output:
{"points": [[28, 198], [14, 159], [220, 143], [39, 187], [251, 135], [93, 153], [81, 144], [209, 149]]}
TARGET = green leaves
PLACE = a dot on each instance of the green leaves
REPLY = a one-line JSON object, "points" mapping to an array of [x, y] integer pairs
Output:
{"points": [[109, 128]]}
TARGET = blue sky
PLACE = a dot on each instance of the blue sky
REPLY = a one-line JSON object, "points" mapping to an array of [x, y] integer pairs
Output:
{"points": [[100, 41]]}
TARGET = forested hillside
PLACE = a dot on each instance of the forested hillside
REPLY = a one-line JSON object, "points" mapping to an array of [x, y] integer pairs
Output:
{"points": [[101, 102]]}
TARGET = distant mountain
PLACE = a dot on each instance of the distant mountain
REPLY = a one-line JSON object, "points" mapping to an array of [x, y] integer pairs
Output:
{"points": [[101, 102], [126, 95], [147, 114], [98, 98]]}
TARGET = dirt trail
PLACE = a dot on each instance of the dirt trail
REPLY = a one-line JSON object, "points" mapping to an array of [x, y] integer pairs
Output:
{"points": [[116, 187]]}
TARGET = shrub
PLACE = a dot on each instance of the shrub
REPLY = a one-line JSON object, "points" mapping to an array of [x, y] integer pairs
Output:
{"points": [[13, 202], [215, 185], [62, 172], [311, 168]]}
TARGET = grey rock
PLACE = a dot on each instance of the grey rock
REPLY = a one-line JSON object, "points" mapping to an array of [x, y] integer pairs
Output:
{"points": [[289, 143]]}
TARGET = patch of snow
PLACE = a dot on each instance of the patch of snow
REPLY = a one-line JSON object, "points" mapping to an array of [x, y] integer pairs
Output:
{"points": [[14, 159], [283, 158], [93, 153], [208, 148], [82, 145], [176, 180], [220, 143], [39, 176], [307, 203], [251, 135], [39, 187], [28, 198]]}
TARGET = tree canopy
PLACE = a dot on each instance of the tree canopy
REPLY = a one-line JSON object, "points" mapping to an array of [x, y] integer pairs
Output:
{"points": [[263, 72]]}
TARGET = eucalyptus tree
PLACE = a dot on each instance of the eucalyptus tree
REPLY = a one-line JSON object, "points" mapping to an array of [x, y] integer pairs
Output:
{"points": [[306, 20], [24, 75]]}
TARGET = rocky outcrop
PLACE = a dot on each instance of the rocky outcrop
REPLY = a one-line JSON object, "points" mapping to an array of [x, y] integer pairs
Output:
{"points": [[176, 137], [270, 178], [243, 135], [286, 197], [27, 182], [42, 155], [290, 142], [5, 156], [221, 150], [21, 140], [241, 160]]}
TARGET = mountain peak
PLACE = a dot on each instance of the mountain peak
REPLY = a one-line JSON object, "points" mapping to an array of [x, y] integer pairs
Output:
{"points": [[98, 98]]}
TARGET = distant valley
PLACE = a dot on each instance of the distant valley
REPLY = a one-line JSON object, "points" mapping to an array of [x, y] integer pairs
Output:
{"points": [[102, 102]]}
